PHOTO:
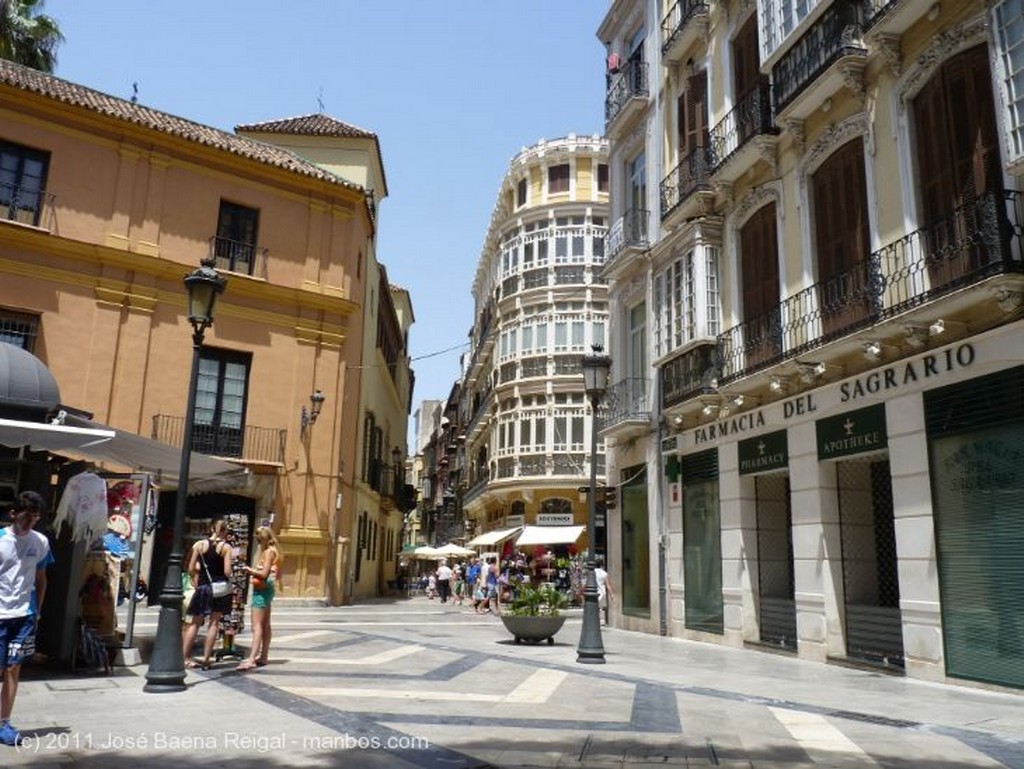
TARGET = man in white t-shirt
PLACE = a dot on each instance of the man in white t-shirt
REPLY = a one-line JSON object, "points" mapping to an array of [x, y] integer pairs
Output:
{"points": [[604, 588], [24, 554], [444, 581]]}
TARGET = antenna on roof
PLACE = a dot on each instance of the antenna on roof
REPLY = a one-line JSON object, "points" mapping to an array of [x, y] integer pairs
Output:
{"points": [[135, 93], [320, 100]]}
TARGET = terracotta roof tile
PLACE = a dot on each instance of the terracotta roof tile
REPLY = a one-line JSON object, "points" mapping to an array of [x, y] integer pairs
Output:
{"points": [[38, 82], [317, 124]]}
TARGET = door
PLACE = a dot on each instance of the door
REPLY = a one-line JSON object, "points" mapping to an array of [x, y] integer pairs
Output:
{"points": [[775, 573], [221, 395], [874, 630], [759, 275], [958, 164], [847, 289]]}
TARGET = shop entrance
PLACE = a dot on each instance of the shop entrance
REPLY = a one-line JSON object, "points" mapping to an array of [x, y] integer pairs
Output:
{"points": [[874, 631], [776, 604]]}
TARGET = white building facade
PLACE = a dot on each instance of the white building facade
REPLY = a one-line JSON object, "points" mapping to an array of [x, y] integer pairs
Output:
{"points": [[815, 261]]}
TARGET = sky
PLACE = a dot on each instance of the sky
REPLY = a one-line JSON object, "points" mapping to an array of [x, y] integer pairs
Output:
{"points": [[452, 88]]}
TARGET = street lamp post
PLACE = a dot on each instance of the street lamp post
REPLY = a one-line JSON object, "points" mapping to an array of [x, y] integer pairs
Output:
{"points": [[166, 671], [595, 381]]}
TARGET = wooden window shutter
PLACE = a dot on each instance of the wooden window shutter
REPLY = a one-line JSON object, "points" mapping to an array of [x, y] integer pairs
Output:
{"points": [[840, 210], [745, 59], [759, 263]]}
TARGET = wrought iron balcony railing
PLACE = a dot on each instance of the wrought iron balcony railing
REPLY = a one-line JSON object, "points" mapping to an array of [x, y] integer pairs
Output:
{"points": [[692, 174], [629, 231], [26, 205], [629, 83], [752, 116], [836, 34], [677, 19], [628, 400], [689, 374], [237, 256], [254, 444], [980, 239]]}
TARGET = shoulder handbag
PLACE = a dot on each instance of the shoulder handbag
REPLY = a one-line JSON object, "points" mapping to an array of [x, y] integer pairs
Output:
{"points": [[221, 587]]}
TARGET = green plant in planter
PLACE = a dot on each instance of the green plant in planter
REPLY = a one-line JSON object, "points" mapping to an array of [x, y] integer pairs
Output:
{"points": [[543, 601]]}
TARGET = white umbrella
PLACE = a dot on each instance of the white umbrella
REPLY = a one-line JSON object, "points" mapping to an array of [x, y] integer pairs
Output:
{"points": [[425, 551], [452, 549]]}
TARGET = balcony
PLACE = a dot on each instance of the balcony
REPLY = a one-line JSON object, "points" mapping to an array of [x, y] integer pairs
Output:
{"points": [[893, 17], [689, 374], [239, 257], [27, 205], [628, 235], [828, 56], [979, 241], [626, 98], [686, 191], [249, 444], [684, 24], [746, 134], [627, 407]]}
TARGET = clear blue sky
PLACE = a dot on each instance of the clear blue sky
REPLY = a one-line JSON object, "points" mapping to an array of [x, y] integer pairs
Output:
{"points": [[452, 88]]}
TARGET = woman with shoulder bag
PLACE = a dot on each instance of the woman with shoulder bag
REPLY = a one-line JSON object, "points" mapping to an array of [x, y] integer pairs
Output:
{"points": [[265, 579], [209, 563]]}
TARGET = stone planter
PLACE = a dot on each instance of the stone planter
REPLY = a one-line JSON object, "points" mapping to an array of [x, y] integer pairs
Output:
{"points": [[533, 629]]}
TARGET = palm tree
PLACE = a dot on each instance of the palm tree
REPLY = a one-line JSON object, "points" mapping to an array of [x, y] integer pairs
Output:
{"points": [[27, 36]]}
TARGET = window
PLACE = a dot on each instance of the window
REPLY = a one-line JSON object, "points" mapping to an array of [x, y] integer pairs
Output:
{"points": [[1009, 19], [19, 329], [636, 342], [693, 117], [22, 183], [235, 245], [558, 178], [221, 395], [759, 279], [636, 192], [602, 177], [521, 193]]}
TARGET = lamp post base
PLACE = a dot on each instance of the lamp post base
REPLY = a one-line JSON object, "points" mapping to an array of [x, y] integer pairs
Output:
{"points": [[590, 650], [166, 671]]}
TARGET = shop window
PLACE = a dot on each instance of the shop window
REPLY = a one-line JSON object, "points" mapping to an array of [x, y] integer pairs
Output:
{"points": [[221, 397], [22, 183], [19, 329], [558, 179], [235, 245]]}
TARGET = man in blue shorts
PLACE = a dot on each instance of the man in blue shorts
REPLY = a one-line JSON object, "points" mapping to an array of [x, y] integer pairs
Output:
{"points": [[24, 554]]}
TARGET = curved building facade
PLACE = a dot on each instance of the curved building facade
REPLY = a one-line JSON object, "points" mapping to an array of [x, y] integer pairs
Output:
{"points": [[540, 304]]}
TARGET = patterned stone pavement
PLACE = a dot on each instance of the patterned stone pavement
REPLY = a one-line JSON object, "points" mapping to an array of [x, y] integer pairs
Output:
{"points": [[419, 684]]}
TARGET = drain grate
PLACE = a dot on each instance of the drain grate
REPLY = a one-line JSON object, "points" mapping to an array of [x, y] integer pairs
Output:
{"points": [[896, 723]]}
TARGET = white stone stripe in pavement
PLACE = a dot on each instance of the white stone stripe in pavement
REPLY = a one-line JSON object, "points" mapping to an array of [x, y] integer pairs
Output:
{"points": [[816, 735], [374, 659], [535, 690], [284, 640]]}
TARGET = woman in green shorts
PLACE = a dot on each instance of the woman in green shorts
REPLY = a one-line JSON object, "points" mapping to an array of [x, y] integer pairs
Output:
{"points": [[265, 578]]}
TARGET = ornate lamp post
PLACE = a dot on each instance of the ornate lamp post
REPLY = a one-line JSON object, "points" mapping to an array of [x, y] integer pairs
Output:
{"points": [[595, 382], [167, 664]]}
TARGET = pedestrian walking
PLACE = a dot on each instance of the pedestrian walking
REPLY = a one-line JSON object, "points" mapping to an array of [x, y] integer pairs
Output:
{"points": [[24, 555], [604, 587], [444, 581]]}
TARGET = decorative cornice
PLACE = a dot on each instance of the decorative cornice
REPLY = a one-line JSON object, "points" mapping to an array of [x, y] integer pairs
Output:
{"points": [[889, 46], [796, 130], [941, 46], [835, 135], [755, 199]]}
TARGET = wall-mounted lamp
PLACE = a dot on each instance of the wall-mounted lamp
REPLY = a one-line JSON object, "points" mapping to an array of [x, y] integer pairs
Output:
{"points": [[777, 385], [872, 350], [316, 403], [809, 372]]}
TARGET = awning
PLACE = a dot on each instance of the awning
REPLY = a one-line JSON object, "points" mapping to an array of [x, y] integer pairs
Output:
{"points": [[492, 537], [41, 436], [140, 454], [549, 535]]}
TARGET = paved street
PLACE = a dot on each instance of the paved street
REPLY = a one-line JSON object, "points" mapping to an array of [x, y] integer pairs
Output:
{"points": [[413, 683]]}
